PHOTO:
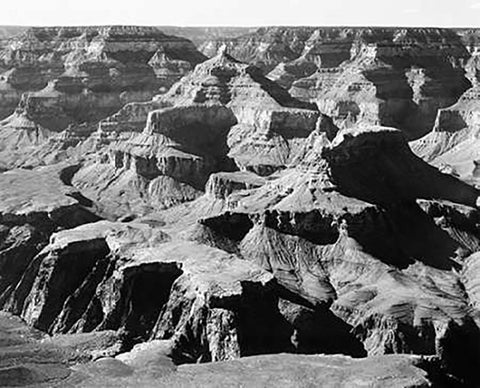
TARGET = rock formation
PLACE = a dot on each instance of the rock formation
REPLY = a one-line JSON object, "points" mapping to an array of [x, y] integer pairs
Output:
{"points": [[43, 364], [271, 46], [224, 116], [84, 67], [228, 224], [395, 77], [168, 163], [453, 143], [313, 228], [64, 77], [359, 236], [34, 204]]}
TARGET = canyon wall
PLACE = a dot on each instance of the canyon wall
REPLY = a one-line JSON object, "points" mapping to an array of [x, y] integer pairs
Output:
{"points": [[229, 219]]}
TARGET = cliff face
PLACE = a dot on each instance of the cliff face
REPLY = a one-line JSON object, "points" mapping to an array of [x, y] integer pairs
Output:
{"points": [[86, 73], [453, 142], [168, 163], [59, 78], [268, 47], [395, 77], [358, 237], [312, 226], [224, 116], [226, 219], [382, 76]]}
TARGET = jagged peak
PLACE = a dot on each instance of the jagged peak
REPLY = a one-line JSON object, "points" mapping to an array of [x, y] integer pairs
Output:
{"points": [[222, 62], [224, 57], [222, 50]]}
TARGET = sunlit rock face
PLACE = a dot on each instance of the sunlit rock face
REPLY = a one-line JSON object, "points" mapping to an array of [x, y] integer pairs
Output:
{"points": [[269, 47], [70, 78], [227, 220], [77, 74], [312, 226], [453, 143], [223, 116], [270, 123], [395, 77], [381, 76]]}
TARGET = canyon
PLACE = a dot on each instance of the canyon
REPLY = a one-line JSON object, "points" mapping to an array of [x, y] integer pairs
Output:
{"points": [[257, 206]]}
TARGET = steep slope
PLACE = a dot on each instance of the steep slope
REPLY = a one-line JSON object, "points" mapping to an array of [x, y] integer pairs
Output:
{"points": [[396, 77], [346, 232], [73, 77], [34, 204], [454, 142], [224, 116], [266, 114], [359, 237], [243, 223], [106, 61], [168, 163]]}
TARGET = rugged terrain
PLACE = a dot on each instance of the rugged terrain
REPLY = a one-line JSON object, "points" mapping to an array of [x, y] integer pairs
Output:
{"points": [[58, 78], [268, 214]]}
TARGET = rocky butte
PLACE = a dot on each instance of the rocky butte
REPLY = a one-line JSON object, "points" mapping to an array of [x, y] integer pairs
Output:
{"points": [[302, 205]]}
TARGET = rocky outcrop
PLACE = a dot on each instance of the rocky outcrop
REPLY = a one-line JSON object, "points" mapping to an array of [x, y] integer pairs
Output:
{"points": [[220, 80], [242, 222], [345, 232], [19, 135], [271, 124], [395, 77], [29, 359], [168, 163], [116, 64], [453, 143], [67, 76], [33, 205], [222, 184], [97, 70], [218, 301], [224, 116]]}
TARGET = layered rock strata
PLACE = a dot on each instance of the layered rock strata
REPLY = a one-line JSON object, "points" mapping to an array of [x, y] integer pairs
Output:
{"points": [[43, 363], [453, 143], [243, 223], [395, 77], [313, 227], [224, 116], [80, 68], [34, 204]]}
